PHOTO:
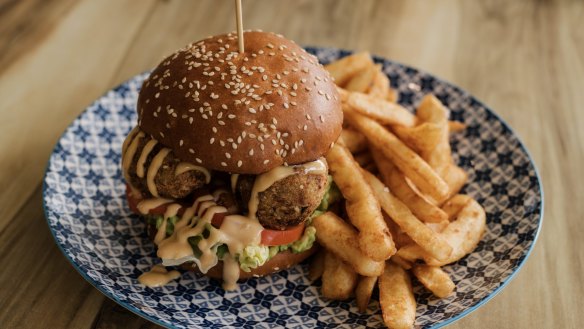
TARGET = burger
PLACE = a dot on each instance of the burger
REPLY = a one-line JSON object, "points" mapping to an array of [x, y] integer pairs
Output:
{"points": [[226, 164]]}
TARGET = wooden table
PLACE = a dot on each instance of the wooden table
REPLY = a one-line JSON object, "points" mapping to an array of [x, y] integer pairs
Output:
{"points": [[523, 58]]}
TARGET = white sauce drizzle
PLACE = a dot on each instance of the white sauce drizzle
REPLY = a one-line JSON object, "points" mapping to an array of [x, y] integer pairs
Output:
{"points": [[143, 156], [129, 138], [230, 273], [157, 276], [129, 155], [171, 211], [183, 167], [153, 170], [145, 206], [234, 178]]}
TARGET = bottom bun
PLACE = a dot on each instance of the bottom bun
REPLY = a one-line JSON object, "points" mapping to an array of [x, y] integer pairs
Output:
{"points": [[283, 260]]}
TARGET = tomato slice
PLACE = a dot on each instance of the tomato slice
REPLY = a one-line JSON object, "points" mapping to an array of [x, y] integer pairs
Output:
{"points": [[277, 238], [132, 201], [218, 219]]}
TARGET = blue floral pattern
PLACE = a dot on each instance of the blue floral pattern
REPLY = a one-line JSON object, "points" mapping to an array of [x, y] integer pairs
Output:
{"points": [[88, 215]]}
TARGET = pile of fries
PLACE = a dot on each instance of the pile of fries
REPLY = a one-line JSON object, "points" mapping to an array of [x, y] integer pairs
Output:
{"points": [[402, 211]]}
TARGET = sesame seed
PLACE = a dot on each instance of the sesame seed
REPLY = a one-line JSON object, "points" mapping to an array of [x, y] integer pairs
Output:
{"points": [[286, 105], [252, 110], [227, 155], [234, 146], [308, 116], [305, 127], [181, 142], [321, 118], [239, 163], [250, 152], [221, 123], [191, 151], [198, 160], [224, 164], [212, 140], [266, 161], [214, 129]]}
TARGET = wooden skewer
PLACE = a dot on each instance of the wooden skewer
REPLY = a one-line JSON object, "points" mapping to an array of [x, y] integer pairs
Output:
{"points": [[239, 25]]}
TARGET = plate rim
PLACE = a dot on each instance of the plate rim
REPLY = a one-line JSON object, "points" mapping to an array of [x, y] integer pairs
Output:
{"points": [[376, 58]]}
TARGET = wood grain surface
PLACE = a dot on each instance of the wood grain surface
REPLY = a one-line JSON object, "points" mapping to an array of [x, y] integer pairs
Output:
{"points": [[525, 59]]}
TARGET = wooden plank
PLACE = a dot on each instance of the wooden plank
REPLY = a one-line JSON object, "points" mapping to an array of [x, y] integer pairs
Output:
{"points": [[40, 289], [42, 92], [24, 23], [112, 315]]}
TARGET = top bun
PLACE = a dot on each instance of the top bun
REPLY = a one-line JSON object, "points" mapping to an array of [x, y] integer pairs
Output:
{"points": [[246, 113]]}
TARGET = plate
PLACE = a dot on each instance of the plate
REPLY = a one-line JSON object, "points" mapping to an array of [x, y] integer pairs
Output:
{"points": [[90, 220]]}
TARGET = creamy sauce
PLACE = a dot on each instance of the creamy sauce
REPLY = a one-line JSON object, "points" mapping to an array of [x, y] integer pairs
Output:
{"points": [[153, 170], [236, 232], [265, 180], [129, 154], [234, 178], [241, 232], [157, 276], [171, 211], [143, 156], [129, 139], [230, 273], [145, 206], [177, 247], [183, 167]]}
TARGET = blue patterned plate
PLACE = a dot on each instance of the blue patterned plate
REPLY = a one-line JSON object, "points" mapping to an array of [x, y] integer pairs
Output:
{"points": [[88, 215]]}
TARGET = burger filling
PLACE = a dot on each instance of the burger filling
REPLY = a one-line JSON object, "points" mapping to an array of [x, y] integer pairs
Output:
{"points": [[203, 217], [253, 256]]}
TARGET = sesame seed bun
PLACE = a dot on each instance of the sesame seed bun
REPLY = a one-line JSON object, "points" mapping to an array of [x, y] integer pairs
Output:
{"points": [[241, 113]]}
